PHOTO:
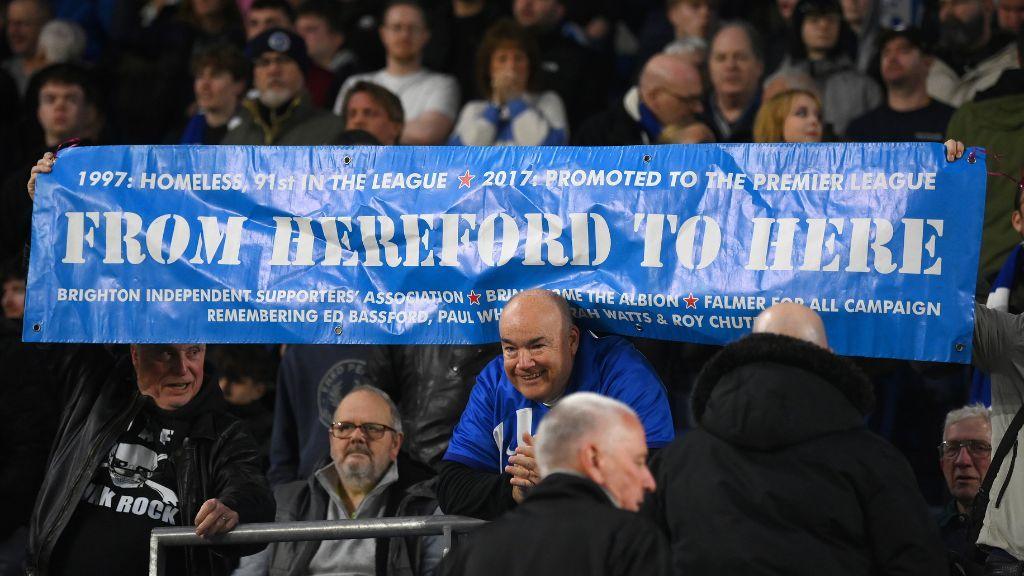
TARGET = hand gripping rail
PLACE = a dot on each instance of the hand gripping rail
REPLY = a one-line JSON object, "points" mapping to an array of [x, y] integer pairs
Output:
{"points": [[161, 538]]}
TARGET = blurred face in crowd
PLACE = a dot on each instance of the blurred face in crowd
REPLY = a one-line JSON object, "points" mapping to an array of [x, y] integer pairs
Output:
{"points": [[25, 18], [362, 460], [855, 11], [903, 64], [14, 298], [63, 112], [170, 374], [1011, 15], [786, 8], [277, 77], [617, 461], [676, 102], [511, 62], [691, 18], [964, 23], [820, 34], [404, 33], [365, 113], [733, 68], [963, 469], [538, 347], [207, 8], [322, 43], [803, 123], [217, 90], [259, 20], [539, 13], [242, 391]]}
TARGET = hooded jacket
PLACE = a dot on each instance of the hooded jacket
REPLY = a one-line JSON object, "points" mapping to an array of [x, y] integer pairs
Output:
{"points": [[782, 477], [218, 459]]}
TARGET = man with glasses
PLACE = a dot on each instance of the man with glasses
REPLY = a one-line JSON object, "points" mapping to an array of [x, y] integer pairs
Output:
{"points": [[964, 456], [668, 93], [363, 479], [282, 113]]}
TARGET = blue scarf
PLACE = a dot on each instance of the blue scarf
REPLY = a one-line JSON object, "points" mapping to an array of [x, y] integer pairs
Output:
{"points": [[649, 123], [998, 299]]}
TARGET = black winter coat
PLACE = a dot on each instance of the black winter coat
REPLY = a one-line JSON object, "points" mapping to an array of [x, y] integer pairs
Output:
{"points": [[567, 525], [613, 127], [782, 477], [218, 459]]}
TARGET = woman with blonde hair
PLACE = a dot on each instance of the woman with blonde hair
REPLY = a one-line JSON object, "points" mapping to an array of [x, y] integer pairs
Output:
{"points": [[792, 116]]}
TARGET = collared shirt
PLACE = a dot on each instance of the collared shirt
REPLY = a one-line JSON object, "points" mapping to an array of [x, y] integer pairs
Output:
{"points": [[350, 557]]}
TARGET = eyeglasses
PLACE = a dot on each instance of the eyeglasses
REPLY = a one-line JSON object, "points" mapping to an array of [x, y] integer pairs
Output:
{"points": [[976, 448], [344, 430], [688, 100]]}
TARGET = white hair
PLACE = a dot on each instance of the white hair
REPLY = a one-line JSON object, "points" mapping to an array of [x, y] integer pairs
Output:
{"points": [[686, 46], [574, 419], [62, 41], [966, 413]]}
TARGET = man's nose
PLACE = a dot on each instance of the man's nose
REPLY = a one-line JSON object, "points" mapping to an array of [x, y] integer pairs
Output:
{"points": [[178, 365], [963, 457], [526, 359], [648, 480]]}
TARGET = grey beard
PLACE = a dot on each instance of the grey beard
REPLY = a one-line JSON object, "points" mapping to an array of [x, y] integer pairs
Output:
{"points": [[274, 98], [359, 475]]}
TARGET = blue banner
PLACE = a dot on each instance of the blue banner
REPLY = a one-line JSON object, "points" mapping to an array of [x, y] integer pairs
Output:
{"points": [[407, 245]]}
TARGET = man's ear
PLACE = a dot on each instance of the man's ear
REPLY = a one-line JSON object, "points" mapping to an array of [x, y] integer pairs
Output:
{"points": [[1017, 219], [134, 351], [574, 338], [396, 445], [588, 458]]}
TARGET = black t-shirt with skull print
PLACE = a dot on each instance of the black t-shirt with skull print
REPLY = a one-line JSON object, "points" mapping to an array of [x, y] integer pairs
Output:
{"points": [[133, 491]]}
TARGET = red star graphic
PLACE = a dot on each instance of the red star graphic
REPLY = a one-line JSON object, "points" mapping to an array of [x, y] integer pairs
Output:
{"points": [[474, 298], [691, 302], [466, 179]]}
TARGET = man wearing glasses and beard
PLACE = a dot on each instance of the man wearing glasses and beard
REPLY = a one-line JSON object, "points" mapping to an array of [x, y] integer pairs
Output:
{"points": [[364, 478]]}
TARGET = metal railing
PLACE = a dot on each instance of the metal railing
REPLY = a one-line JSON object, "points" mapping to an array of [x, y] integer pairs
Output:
{"points": [[161, 538]]}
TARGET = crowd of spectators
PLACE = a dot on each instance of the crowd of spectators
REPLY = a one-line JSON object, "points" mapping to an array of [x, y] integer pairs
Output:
{"points": [[479, 73]]}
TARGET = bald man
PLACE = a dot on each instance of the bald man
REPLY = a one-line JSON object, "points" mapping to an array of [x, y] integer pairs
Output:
{"points": [[669, 92], [782, 474], [489, 466]]}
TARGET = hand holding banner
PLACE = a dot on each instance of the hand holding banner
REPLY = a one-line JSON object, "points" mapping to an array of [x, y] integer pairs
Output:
{"points": [[424, 245]]}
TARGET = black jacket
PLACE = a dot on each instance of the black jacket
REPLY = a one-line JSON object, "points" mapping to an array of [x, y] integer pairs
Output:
{"points": [[218, 459], [782, 477], [306, 501], [434, 384], [613, 127], [567, 525]]}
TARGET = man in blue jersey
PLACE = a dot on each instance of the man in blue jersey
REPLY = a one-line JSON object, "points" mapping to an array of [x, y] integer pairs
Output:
{"points": [[489, 466]]}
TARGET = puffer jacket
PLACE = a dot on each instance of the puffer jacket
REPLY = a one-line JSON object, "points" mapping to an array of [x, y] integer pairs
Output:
{"points": [[218, 459], [783, 477]]}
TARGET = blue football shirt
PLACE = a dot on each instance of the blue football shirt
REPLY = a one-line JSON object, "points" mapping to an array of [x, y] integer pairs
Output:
{"points": [[497, 415]]}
